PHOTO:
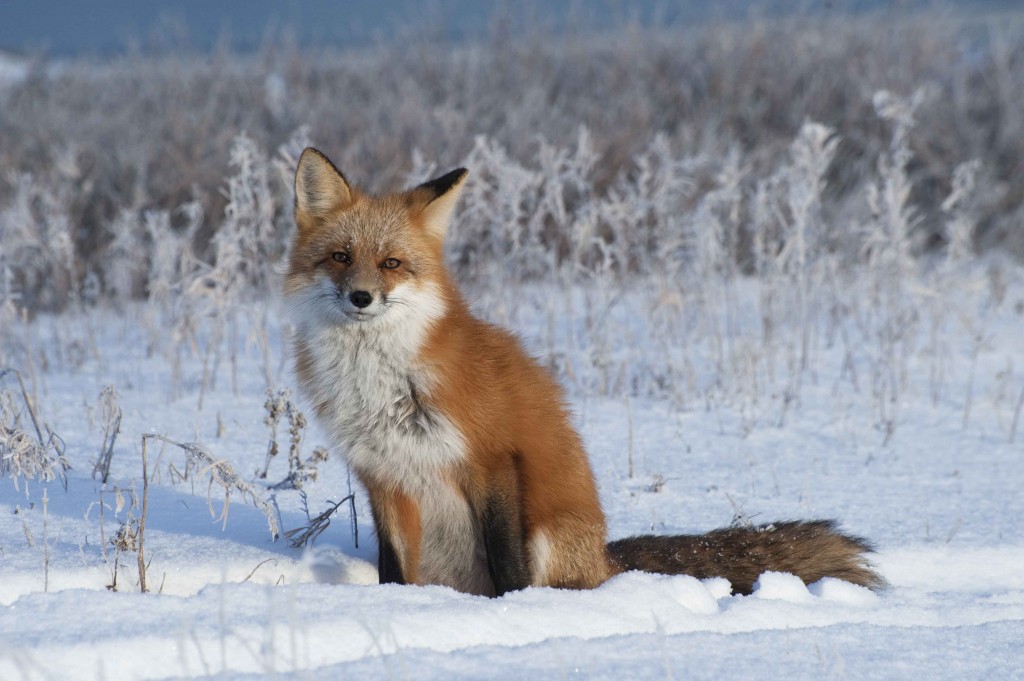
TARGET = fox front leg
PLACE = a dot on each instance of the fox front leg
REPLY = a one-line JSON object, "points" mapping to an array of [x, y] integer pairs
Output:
{"points": [[397, 520], [502, 521]]}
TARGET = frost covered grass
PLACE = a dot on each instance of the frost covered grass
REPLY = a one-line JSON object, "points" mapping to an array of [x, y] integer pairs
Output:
{"points": [[795, 324], [125, 159]]}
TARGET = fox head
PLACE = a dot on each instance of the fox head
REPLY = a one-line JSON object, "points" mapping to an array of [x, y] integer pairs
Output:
{"points": [[358, 259]]}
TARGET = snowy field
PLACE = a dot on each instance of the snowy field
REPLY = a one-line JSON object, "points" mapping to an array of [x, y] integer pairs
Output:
{"points": [[776, 266], [940, 495]]}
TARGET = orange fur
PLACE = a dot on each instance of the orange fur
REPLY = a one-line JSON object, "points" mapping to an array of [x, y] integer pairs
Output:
{"points": [[398, 513]]}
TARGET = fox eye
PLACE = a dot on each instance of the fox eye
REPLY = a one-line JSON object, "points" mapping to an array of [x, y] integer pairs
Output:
{"points": [[392, 263], [341, 256]]}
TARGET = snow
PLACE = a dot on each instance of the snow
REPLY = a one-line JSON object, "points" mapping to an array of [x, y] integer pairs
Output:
{"points": [[636, 622], [940, 499]]}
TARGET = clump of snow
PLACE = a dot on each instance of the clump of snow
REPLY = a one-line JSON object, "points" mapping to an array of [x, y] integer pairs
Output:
{"points": [[781, 586], [330, 566], [718, 587], [838, 591]]}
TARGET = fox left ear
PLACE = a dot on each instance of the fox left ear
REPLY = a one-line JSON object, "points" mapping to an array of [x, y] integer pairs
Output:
{"points": [[438, 198], [319, 188]]}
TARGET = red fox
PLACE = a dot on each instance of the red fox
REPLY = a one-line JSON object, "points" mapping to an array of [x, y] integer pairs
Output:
{"points": [[476, 478]]}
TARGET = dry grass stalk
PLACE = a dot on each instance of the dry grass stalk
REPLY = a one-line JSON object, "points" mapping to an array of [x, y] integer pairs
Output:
{"points": [[199, 462], [110, 413], [301, 536], [142, 518], [23, 456]]}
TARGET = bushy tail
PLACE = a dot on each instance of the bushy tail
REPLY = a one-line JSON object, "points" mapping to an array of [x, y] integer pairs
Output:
{"points": [[809, 549]]}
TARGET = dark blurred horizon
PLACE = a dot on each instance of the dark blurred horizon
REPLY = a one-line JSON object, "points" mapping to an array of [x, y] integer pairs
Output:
{"points": [[66, 28]]}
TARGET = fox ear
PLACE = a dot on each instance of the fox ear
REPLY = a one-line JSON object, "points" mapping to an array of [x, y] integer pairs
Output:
{"points": [[438, 198], [319, 187]]}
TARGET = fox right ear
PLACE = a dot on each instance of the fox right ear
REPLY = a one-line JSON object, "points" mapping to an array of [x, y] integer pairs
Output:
{"points": [[438, 198], [319, 188]]}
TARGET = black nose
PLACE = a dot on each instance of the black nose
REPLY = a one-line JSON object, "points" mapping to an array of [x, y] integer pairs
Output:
{"points": [[360, 298]]}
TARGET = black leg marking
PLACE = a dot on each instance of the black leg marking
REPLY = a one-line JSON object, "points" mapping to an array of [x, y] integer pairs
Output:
{"points": [[503, 539], [388, 567]]}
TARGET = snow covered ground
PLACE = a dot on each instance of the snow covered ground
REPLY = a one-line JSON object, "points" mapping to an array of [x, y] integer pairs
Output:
{"points": [[938, 492]]}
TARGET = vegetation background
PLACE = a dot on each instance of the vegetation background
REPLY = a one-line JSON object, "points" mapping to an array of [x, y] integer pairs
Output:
{"points": [[91, 145]]}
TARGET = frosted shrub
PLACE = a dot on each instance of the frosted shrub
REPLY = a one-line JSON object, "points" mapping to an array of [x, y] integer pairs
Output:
{"points": [[110, 413], [36, 244], [946, 280], [245, 246], [10, 303], [126, 269], [201, 463], [280, 405], [284, 165], [958, 208], [890, 265], [23, 456], [650, 208], [712, 228], [250, 235], [497, 205], [236, 244], [564, 195], [166, 253], [793, 254]]}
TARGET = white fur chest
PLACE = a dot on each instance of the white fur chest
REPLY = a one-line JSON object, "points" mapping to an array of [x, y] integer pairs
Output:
{"points": [[372, 388], [372, 391]]}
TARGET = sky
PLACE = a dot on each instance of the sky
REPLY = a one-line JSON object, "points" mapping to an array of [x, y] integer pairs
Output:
{"points": [[102, 27]]}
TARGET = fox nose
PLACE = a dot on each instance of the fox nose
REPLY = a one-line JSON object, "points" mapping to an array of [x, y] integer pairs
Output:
{"points": [[360, 299]]}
